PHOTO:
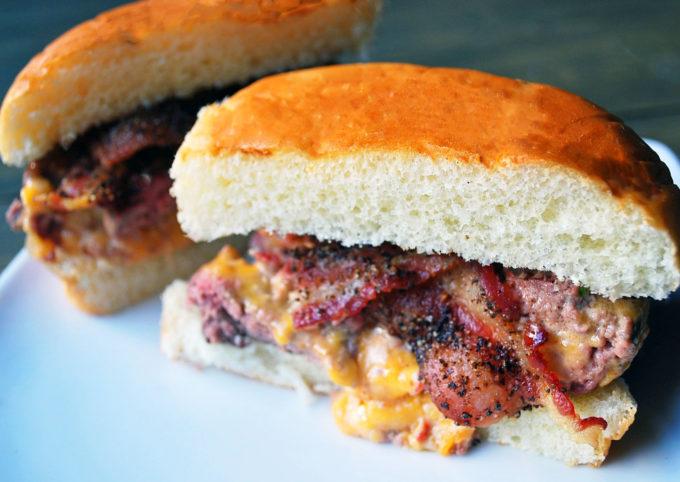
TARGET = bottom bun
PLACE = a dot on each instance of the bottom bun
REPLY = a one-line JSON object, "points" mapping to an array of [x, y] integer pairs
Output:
{"points": [[534, 431], [100, 286], [182, 338]]}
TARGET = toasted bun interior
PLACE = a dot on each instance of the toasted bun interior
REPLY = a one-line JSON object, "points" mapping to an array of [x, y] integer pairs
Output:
{"points": [[150, 50], [535, 431], [438, 160]]}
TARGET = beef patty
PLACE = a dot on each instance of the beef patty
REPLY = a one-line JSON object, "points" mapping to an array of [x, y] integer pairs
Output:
{"points": [[489, 341]]}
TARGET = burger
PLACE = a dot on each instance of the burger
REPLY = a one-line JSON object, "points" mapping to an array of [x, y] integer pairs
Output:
{"points": [[452, 255], [98, 115]]}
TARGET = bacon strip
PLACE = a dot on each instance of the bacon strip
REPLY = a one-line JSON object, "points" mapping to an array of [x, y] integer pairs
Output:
{"points": [[332, 282], [121, 166], [471, 372], [477, 331], [534, 338], [502, 296], [161, 126]]}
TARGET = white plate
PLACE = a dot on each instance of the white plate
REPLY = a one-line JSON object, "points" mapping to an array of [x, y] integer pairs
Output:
{"points": [[92, 398]]}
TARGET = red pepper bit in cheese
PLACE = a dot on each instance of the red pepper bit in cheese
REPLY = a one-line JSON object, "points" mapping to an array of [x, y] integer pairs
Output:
{"points": [[534, 338]]}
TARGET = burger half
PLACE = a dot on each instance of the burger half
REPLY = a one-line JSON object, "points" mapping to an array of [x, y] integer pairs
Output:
{"points": [[451, 254], [98, 115]]}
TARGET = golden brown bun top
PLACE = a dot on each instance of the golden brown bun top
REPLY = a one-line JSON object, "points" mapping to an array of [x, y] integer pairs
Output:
{"points": [[477, 117], [131, 23], [149, 50]]}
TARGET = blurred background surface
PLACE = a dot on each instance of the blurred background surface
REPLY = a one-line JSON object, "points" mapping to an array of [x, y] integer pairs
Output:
{"points": [[622, 55]]}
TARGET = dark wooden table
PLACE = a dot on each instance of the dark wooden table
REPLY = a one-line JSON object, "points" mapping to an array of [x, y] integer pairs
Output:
{"points": [[623, 55]]}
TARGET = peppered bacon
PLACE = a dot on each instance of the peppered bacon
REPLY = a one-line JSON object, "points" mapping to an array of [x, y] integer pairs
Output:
{"points": [[133, 195], [94, 165], [482, 335], [479, 333], [163, 125], [331, 282], [120, 167], [470, 369], [147, 202], [475, 381]]}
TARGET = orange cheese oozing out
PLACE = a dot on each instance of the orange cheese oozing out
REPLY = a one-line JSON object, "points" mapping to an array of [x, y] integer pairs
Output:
{"points": [[389, 404], [258, 295], [380, 397]]}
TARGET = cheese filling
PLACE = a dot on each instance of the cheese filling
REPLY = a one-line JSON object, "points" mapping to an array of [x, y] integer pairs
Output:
{"points": [[379, 395], [389, 404], [385, 393]]}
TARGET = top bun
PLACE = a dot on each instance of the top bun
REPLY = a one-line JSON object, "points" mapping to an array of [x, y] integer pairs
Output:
{"points": [[144, 52], [438, 160]]}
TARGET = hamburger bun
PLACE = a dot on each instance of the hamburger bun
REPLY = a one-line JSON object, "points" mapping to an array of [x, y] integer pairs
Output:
{"points": [[357, 161], [437, 160], [134, 57]]}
